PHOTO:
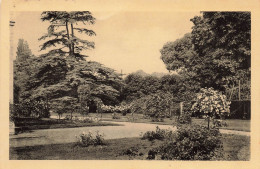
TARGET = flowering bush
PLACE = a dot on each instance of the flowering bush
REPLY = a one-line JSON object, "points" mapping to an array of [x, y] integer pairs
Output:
{"points": [[109, 109], [86, 139], [211, 103]]}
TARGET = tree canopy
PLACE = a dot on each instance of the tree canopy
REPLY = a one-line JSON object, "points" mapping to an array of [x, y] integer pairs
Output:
{"points": [[62, 38], [66, 81], [216, 53]]}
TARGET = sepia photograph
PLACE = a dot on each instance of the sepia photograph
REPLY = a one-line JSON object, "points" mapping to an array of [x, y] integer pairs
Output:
{"points": [[102, 85], [126, 84]]}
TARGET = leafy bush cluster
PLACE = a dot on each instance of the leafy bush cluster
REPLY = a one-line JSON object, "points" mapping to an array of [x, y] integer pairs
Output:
{"points": [[156, 106], [158, 134], [184, 118], [220, 123], [132, 151], [30, 108], [190, 142], [87, 139]]}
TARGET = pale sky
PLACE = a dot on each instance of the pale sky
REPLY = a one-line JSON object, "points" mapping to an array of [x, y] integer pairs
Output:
{"points": [[125, 40]]}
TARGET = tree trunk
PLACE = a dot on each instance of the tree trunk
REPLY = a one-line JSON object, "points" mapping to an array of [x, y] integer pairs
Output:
{"points": [[68, 36], [72, 43], [47, 105], [208, 122], [239, 93], [232, 91]]}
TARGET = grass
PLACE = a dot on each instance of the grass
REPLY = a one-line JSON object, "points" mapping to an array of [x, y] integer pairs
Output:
{"points": [[27, 124], [233, 124], [235, 148]]}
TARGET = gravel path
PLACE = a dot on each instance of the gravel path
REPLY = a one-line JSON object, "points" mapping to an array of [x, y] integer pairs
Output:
{"points": [[68, 135]]}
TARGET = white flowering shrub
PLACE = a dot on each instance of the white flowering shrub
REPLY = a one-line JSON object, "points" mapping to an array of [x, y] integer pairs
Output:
{"points": [[120, 108], [211, 103]]}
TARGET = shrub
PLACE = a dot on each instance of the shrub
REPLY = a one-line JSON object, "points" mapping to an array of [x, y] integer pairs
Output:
{"points": [[87, 120], [155, 119], [158, 134], [132, 151], [220, 123], [191, 142], [67, 117], [184, 118], [99, 140], [156, 105], [124, 112], [87, 139], [115, 116]]}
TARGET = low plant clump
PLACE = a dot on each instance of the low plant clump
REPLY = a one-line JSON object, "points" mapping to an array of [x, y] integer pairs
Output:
{"points": [[87, 139], [158, 134], [115, 116]]}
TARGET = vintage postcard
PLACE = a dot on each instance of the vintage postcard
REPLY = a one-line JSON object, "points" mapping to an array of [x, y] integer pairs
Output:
{"points": [[130, 84]]}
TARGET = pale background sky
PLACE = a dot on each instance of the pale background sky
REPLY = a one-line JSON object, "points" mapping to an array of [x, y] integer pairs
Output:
{"points": [[125, 40]]}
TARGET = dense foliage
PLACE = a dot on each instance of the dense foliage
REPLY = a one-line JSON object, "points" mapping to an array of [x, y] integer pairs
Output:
{"points": [[66, 85], [190, 142], [216, 53], [158, 105], [181, 86]]}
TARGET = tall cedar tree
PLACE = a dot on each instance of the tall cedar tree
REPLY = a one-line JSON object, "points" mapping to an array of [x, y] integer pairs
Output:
{"points": [[62, 33]]}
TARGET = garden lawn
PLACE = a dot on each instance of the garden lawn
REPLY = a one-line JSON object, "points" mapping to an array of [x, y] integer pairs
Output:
{"points": [[235, 148], [233, 124], [47, 123]]}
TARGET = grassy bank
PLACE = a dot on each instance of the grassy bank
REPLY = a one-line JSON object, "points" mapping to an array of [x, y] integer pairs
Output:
{"points": [[235, 148]]}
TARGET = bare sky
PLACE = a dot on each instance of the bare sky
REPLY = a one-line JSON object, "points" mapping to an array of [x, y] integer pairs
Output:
{"points": [[125, 40]]}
